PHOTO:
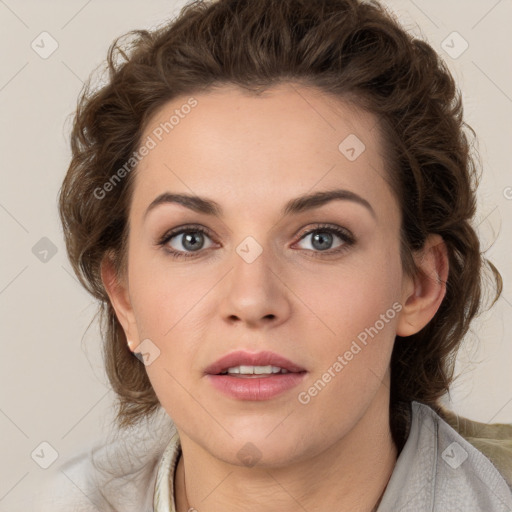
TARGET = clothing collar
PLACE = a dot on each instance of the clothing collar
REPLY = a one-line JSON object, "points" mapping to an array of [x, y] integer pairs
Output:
{"points": [[163, 500], [438, 470]]}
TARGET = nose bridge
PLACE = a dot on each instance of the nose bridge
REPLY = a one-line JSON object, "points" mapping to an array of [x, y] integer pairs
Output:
{"points": [[252, 269], [253, 290], [253, 251]]}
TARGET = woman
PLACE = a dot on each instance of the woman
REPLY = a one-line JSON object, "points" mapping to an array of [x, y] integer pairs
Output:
{"points": [[273, 201]]}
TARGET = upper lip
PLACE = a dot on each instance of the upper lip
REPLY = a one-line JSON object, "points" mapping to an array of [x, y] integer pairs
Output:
{"points": [[240, 357]]}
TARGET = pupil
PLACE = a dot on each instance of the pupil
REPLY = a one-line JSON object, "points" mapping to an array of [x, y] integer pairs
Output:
{"points": [[322, 237], [192, 239]]}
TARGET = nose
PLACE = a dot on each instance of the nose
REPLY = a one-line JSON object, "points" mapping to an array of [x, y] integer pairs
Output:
{"points": [[253, 293]]}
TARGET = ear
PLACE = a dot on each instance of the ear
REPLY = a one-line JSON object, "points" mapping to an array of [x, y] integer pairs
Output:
{"points": [[422, 294], [117, 290]]}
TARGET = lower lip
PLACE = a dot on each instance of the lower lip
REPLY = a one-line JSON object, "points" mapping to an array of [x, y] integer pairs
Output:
{"points": [[256, 388]]}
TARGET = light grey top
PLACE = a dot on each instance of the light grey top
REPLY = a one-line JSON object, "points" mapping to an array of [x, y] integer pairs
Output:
{"points": [[437, 471]]}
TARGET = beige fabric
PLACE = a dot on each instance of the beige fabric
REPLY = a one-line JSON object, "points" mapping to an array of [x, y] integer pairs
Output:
{"points": [[494, 440]]}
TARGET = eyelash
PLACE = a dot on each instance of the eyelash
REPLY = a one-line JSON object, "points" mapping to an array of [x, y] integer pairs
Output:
{"points": [[342, 233]]}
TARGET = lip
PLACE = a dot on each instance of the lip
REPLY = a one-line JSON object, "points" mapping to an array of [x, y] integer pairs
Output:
{"points": [[241, 357], [261, 387]]}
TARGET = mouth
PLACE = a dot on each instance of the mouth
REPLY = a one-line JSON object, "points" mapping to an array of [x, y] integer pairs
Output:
{"points": [[251, 372], [238, 375], [246, 364]]}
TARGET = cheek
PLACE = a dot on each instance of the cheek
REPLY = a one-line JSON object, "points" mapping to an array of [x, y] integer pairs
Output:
{"points": [[161, 293], [358, 324], [169, 311], [351, 347], [352, 332], [343, 299]]}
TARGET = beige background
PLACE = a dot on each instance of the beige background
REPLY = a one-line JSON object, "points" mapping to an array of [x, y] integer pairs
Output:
{"points": [[53, 386]]}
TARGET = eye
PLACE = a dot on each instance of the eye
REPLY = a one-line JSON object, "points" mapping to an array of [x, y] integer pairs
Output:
{"points": [[324, 236], [187, 238], [189, 241]]}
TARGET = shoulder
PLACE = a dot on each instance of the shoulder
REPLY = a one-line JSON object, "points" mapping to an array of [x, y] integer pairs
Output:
{"points": [[117, 473], [463, 474], [67, 487], [439, 470], [494, 440]]}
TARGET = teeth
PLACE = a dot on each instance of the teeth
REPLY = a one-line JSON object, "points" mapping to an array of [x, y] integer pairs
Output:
{"points": [[255, 370]]}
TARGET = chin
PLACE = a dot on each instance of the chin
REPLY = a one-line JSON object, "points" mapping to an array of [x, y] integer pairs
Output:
{"points": [[259, 450]]}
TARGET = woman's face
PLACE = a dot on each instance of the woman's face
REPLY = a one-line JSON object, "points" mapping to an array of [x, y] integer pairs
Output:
{"points": [[319, 282]]}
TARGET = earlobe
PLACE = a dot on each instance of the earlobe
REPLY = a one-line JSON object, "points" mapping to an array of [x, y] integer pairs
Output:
{"points": [[425, 292], [117, 291]]}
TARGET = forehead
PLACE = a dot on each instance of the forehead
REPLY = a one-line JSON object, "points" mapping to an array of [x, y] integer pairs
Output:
{"points": [[237, 146]]}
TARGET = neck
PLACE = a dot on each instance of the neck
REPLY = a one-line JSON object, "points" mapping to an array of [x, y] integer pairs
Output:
{"points": [[352, 474]]}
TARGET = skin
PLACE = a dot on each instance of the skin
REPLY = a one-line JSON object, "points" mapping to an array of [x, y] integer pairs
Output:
{"points": [[251, 155]]}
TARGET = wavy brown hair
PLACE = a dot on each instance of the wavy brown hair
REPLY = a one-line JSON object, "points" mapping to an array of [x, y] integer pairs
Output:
{"points": [[355, 51]]}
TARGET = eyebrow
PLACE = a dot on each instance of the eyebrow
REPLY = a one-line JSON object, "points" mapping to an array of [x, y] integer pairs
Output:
{"points": [[294, 206]]}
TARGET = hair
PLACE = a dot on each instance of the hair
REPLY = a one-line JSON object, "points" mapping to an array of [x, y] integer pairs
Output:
{"points": [[355, 51]]}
